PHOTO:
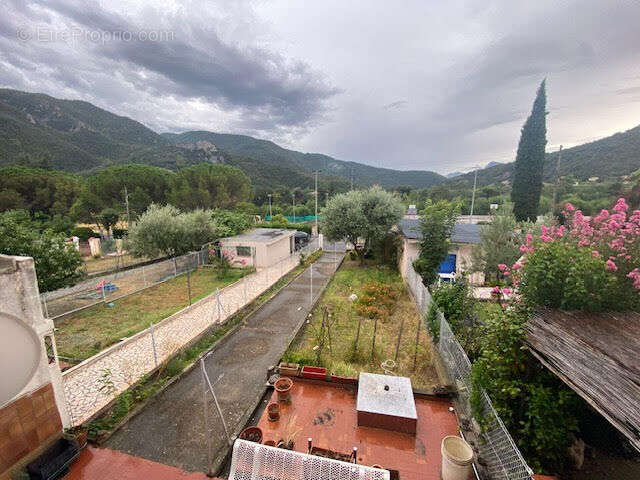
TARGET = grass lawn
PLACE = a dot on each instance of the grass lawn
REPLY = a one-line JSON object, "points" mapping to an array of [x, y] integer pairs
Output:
{"points": [[85, 333], [342, 357], [110, 263]]}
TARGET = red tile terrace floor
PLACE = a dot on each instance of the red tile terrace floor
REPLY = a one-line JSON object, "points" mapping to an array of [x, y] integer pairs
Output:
{"points": [[327, 413], [105, 464]]}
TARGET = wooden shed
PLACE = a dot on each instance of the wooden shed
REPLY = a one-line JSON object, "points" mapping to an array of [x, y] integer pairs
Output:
{"points": [[598, 356]]}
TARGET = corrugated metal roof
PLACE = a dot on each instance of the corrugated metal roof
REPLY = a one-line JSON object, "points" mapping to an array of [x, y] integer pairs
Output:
{"points": [[462, 232]]}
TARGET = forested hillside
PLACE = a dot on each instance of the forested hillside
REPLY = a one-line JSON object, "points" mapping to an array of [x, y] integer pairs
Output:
{"points": [[272, 154], [607, 158], [77, 136]]}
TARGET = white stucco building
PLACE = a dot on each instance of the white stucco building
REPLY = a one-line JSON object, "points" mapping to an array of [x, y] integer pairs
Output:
{"points": [[259, 248], [465, 236]]}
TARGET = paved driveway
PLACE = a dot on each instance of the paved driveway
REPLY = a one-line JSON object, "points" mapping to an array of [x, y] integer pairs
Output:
{"points": [[171, 429]]}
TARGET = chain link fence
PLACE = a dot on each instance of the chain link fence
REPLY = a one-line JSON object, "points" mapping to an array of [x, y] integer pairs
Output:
{"points": [[128, 360], [117, 285], [502, 459]]}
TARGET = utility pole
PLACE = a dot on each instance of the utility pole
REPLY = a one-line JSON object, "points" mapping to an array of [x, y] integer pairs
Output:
{"points": [[316, 172], [473, 196], [293, 198], [126, 202], [270, 212], [557, 184]]}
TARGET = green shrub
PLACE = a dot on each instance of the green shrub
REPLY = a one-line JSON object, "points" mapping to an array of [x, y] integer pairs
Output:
{"points": [[303, 358], [119, 232], [433, 321], [84, 233]]}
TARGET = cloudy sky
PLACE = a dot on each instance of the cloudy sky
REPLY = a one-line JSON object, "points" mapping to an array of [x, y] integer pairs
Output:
{"points": [[410, 85]]}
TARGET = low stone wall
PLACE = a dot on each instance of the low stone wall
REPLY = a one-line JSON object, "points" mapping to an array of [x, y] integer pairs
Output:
{"points": [[92, 384]]}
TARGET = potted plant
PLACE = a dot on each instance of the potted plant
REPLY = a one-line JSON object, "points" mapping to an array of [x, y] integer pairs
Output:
{"points": [[251, 434], [343, 379], [78, 435], [283, 386], [273, 411], [290, 369], [316, 373]]}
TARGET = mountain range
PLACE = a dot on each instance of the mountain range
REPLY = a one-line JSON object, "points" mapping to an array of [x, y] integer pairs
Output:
{"points": [[79, 137], [607, 158]]}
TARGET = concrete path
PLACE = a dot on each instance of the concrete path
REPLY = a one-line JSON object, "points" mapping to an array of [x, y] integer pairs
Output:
{"points": [[171, 429]]}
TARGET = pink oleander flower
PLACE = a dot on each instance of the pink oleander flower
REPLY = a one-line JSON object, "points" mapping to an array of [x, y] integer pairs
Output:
{"points": [[611, 266], [569, 207], [506, 291], [595, 253], [495, 290], [502, 267], [559, 232], [516, 266], [621, 205]]}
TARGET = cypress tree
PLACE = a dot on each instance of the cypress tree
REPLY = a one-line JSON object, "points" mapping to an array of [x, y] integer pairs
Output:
{"points": [[527, 179]]}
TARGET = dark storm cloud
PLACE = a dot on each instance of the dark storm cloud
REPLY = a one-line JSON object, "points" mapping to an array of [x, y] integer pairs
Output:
{"points": [[433, 85], [186, 60]]}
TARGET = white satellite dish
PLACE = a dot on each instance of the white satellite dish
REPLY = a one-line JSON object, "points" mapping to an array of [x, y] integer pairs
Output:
{"points": [[20, 352]]}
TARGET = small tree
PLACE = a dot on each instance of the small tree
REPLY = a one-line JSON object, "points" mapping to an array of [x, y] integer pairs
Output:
{"points": [[165, 230], [361, 215], [57, 264], [438, 221], [527, 177], [108, 218], [500, 243]]}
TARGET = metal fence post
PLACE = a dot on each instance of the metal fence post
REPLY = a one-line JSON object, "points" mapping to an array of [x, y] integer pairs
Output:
{"points": [[144, 276], [189, 284], [153, 344], [175, 267], [46, 309], [244, 284], [218, 302], [103, 296], [311, 285]]}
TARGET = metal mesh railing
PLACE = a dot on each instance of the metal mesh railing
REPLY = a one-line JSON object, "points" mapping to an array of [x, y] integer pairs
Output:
{"points": [[116, 285], [501, 456], [253, 461]]}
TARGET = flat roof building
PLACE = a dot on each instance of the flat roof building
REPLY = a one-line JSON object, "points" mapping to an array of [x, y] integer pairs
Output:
{"points": [[259, 248]]}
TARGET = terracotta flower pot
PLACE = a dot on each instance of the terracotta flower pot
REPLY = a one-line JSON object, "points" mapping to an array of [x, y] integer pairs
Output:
{"points": [[283, 386], [273, 410], [252, 434], [315, 373], [270, 443]]}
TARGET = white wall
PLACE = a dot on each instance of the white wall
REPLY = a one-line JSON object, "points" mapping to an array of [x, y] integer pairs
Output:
{"points": [[411, 250], [20, 297], [266, 254]]}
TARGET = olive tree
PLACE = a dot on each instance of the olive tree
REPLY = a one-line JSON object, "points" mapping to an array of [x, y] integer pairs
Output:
{"points": [[361, 217], [168, 231]]}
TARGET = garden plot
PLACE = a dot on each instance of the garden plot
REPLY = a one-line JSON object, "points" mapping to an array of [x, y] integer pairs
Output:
{"points": [[369, 332]]}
